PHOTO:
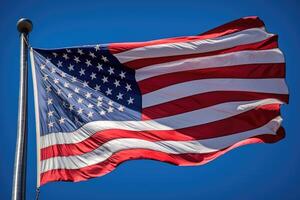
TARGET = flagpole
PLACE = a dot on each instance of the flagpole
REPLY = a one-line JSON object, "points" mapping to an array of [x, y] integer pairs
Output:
{"points": [[19, 180]]}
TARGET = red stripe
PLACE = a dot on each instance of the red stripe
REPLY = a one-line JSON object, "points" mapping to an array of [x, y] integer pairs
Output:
{"points": [[199, 101], [249, 71], [240, 123], [237, 25], [116, 159], [231, 27], [269, 43]]}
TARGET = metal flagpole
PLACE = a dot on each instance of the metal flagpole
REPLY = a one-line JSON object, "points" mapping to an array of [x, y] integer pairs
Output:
{"points": [[19, 181]]}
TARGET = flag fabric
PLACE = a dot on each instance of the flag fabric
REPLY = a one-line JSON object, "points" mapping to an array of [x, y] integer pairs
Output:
{"points": [[184, 100]]}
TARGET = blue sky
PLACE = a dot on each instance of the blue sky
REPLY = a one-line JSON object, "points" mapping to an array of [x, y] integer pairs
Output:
{"points": [[252, 172]]}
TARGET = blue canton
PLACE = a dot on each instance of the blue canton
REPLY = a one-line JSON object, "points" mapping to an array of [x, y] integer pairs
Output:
{"points": [[80, 85]]}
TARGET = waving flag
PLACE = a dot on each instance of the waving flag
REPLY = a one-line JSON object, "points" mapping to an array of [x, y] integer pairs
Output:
{"points": [[184, 100]]}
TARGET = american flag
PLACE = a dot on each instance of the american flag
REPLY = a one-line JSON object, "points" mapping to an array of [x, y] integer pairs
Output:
{"points": [[184, 100]]}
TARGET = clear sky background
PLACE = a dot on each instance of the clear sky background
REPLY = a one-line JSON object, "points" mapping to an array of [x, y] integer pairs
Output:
{"points": [[257, 171]]}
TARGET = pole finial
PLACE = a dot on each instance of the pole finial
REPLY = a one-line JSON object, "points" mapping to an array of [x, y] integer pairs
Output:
{"points": [[24, 25]]}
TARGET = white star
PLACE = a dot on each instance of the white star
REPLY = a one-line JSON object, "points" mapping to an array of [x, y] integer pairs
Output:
{"points": [[117, 83], [90, 105], [85, 84], [80, 100], [50, 101], [68, 50], [76, 59], [92, 55], [56, 81], [71, 107], [97, 47], [120, 96], [42, 66], [45, 77], [76, 90], [50, 113], [50, 124], [74, 79], [93, 75], [102, 112], [88, 63], [79, 111], [53, 70], [130, 100], [104, 59], [77, 120], [48, 88], [100, 98], [121, 108], [71, 67], [48, 60], [80, 51], [111, 71], [66, 57], [62, 120], [110, 102], [99, 66], [110, 109], [128, 87], [90, 114], [54, 54], [88, 95], [59, 91], [63, 74], [122, 75], [66, 85], [97, 88], [59, 64], [81, 72], [108, 91], [104, 79], [70, 95], [99, 103]]}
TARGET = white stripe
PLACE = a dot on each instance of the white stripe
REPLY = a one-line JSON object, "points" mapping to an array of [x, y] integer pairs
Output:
{"points": [[196, 46], [222, 60], [188, 119], [173, 92], [171, 147]]}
